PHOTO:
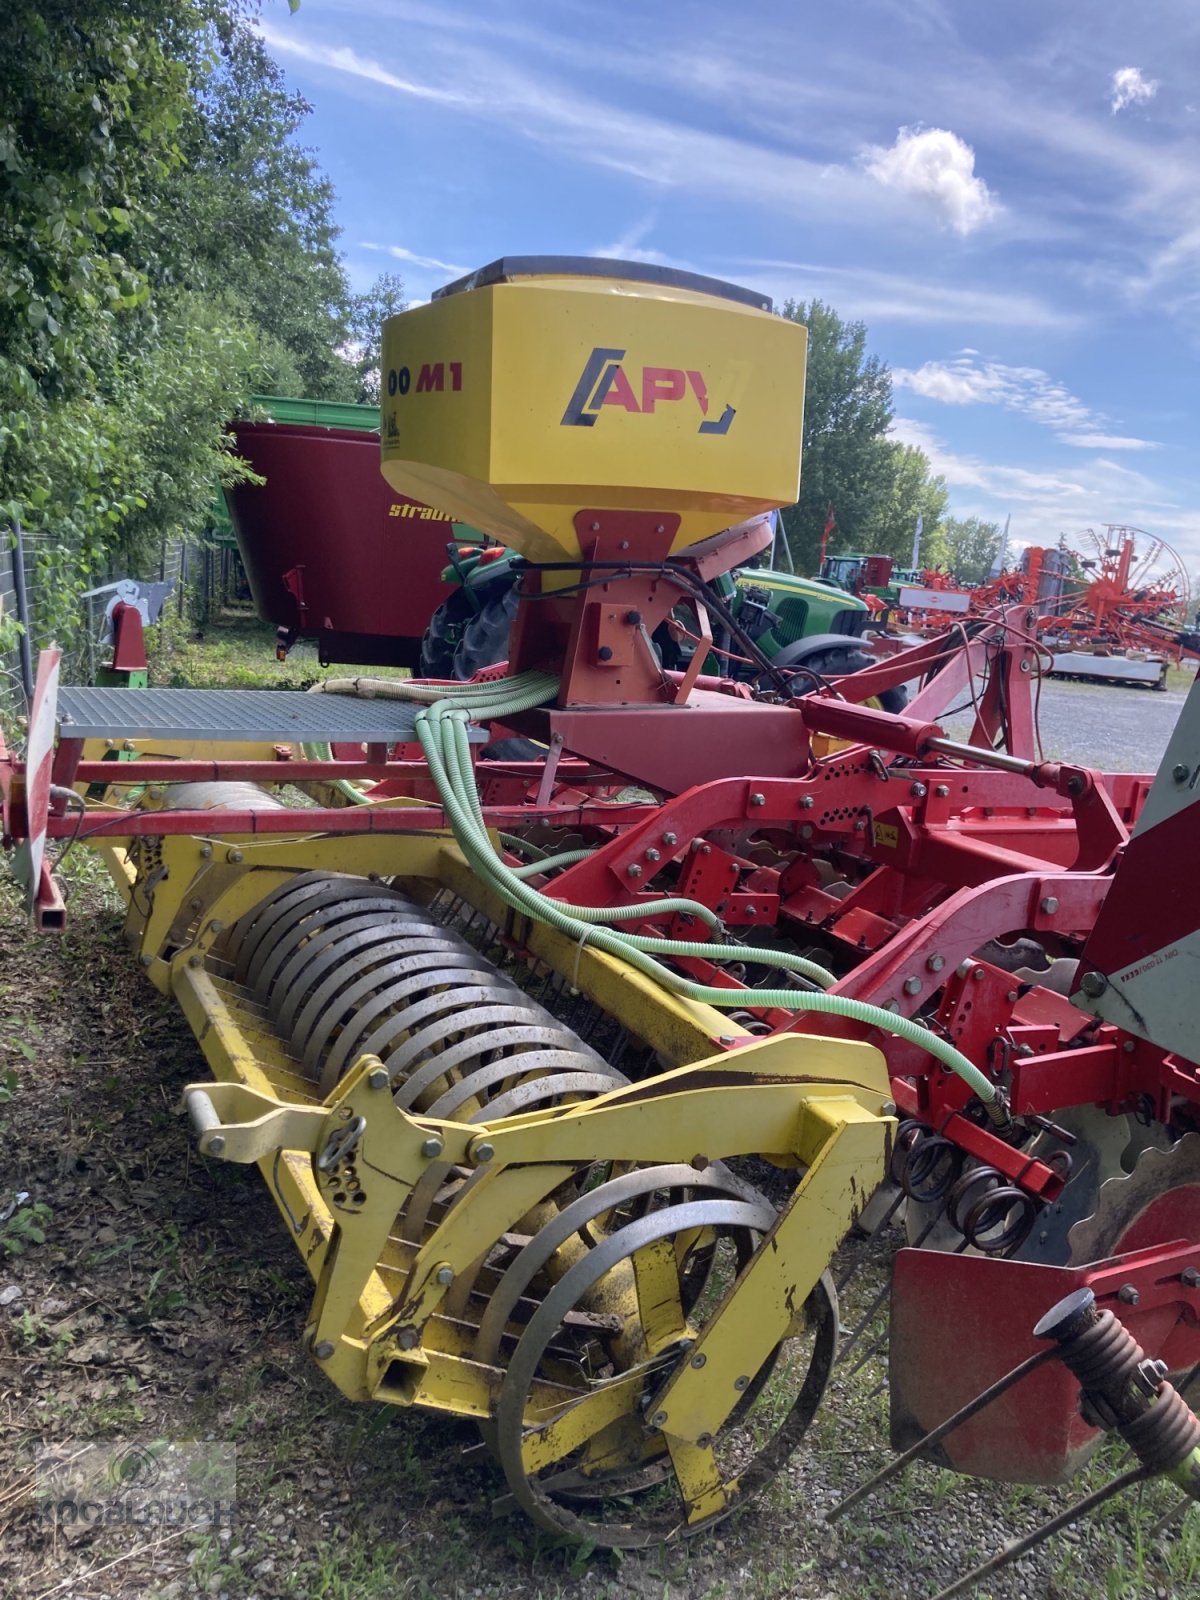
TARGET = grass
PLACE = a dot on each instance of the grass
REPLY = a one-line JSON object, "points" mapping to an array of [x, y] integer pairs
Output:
{"points": [[237, 651]]}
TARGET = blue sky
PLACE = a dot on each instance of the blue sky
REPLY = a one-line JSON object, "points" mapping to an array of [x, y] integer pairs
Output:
{"points": [[1008, 195]]}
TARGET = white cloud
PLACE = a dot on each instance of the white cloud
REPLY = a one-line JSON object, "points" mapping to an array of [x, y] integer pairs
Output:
{"points": [[889, 297], [970, 380], [1130, 87], [938, 167], [342, 59], [426, 263], [629, 247], [1045, 504], [658, 151], [1108, 441]]}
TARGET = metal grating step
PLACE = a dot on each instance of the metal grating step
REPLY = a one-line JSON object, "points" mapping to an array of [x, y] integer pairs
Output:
{"points": [[237, 715]]}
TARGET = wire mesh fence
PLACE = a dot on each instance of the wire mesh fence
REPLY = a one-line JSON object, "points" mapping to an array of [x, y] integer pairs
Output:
{"points": [[205, 576]]}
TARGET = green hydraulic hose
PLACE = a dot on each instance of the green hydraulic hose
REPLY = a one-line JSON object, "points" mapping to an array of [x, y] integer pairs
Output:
{"points": [[447, 715], [446, 749], [342, 786], [405, 689], [567, 858], [441, 730], [542, 860], [433, 694]]}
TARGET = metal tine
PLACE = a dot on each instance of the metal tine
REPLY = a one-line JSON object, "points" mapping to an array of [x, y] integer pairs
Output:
{"points": [[620, 1048], [871, 1311], [557, 990], [1018, 1547], [856, 1266], [871, 1350], [864, 1323], [448, 908], [982, 1400], [1176, 1514]]}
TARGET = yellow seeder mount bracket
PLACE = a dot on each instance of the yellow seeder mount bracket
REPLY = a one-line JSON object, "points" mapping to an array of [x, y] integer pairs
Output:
{"points": [[553, 1274]]}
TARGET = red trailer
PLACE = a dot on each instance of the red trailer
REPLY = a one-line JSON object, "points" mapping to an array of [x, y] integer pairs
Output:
{"points": [[331, 552]]}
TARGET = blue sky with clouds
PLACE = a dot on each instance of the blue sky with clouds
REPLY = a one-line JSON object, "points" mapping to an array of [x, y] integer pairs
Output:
{"points": [[1008, 195]]}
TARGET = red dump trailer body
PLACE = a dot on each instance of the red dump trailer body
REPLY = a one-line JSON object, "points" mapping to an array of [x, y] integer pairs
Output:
{"points": [[331, 552]]}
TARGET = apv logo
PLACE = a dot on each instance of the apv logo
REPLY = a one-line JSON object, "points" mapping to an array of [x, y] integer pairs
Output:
{"points": [[604, 382]]}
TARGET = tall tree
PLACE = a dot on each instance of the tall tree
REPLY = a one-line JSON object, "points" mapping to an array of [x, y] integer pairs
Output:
{"points": [[876, 486], [906, 492], [967, 547], [251, 215], [166, 248], [368, 313], [847, 412]]}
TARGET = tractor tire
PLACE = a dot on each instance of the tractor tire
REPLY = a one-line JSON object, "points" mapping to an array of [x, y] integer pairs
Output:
{"points": [[443, 634], [513, 750], [484, 639], [834, 658]]}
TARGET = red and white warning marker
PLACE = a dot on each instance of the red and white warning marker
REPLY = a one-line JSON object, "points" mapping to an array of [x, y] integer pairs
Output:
{"points": [[1141, 964], [29, 856]]}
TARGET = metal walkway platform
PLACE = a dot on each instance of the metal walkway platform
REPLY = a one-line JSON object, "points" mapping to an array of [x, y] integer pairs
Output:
{"points": [[240, 716]]}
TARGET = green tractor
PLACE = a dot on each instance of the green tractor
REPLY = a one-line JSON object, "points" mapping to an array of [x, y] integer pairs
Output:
{"points": [[800, 623]]}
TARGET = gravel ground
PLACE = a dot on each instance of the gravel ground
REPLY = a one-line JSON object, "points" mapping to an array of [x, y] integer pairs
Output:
{"points": [[1103, 725]]}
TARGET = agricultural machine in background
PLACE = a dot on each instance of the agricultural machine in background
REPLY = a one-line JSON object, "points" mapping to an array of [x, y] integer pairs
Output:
{"points": [[913, 597], [331, 553], [569, 1075], [1115, 609]]}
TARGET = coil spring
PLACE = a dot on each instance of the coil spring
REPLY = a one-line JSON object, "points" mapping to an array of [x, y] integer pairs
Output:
{"points": [[344, 968], [1110, 1364], [992, 1215], [1104, 1353], [1166, 1434], [924, 1163]]}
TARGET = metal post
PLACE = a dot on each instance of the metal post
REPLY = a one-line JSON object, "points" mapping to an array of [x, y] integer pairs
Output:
{"points": [[781, 533], [21, 595], [1002, 553]]}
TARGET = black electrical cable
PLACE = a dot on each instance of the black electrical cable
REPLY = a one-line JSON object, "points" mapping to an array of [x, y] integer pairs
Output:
{"points": [[693, 586]]}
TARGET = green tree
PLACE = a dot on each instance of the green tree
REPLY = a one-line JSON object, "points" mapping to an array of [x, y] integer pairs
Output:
{"points": [[251, 215], [906, 491], [967, 547], [847, 412], [876, 486], [368, 313], [166, 248]]}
